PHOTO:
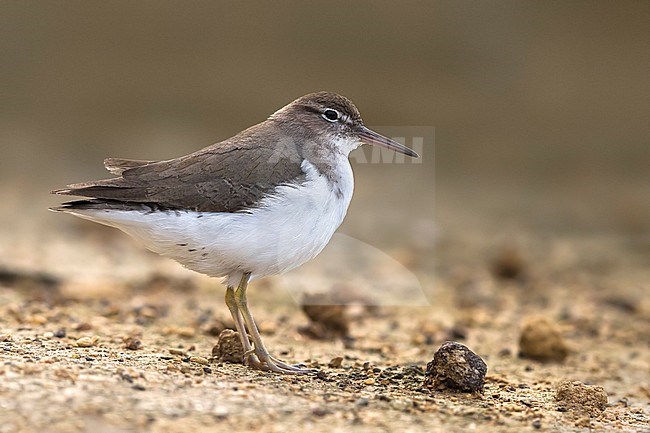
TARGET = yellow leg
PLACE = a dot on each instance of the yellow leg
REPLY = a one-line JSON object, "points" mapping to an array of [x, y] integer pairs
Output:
{"points": [[269, 362], [249, 356]]}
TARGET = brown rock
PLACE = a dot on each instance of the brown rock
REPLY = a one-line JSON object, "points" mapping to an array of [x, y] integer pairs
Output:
{"points": [[229, 347], [83, 326], [132, 343], [541, 340], [455, 366], [577, 397], [336, 362]]}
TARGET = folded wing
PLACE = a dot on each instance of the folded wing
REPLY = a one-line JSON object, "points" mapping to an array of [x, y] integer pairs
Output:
{"points": [[230, 176]]}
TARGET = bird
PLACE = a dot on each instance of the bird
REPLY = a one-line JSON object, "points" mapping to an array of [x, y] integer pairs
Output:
{"points": [[260, 203]]}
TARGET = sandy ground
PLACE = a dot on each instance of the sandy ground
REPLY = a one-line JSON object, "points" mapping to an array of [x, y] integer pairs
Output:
{"points": [[533, 139], [98, 335]]}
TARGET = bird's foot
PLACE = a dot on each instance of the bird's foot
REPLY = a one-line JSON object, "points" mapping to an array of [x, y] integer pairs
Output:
{"points": [[262, 360], [292, 368]]}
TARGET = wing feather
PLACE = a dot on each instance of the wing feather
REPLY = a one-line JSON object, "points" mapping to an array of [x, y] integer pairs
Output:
{"points": [[117, 166], [229, 176]]}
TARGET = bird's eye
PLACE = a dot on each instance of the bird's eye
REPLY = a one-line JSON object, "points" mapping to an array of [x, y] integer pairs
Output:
{"points": [[331, 115]]}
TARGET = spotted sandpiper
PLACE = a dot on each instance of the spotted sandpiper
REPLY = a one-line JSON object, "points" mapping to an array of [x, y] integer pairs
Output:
{"points": [[260, 203]]}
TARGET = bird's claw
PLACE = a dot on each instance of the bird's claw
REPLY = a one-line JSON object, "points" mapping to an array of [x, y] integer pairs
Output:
{"points": [[266, 362]]}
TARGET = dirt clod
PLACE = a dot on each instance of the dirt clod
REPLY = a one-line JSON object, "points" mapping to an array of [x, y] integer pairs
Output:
{"points": [[541, 340], [584, 399], [214, 327], [327, 321], [509, 264], [455, 366], [229, 347]]}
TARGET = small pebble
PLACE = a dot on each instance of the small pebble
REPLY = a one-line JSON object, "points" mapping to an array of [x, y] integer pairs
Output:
{"points": [[320, 412], [455, 366], [186, 332], [369, 381], [83, 326], [336, 362], [132, 343], [199, 360], [456, 332], [87, 341], [36, 319], [175, 351], [505, 352]]}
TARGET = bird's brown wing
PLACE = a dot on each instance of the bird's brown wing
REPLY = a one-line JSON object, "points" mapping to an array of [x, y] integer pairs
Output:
{"points": [[118, 166], [230, 176]]}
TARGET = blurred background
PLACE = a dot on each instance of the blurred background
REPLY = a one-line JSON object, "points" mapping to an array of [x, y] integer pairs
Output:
{"points": [[540, 109], [531, 199]]}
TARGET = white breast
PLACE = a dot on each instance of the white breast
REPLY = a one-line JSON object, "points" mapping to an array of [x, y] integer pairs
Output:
{"points": [[290, 227]]}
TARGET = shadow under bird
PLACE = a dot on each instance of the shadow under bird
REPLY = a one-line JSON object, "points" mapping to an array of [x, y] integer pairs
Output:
{"points": [[260, 203]]}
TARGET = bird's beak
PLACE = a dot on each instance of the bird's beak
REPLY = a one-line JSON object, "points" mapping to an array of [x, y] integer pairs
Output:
{"points": [[371, 137]]}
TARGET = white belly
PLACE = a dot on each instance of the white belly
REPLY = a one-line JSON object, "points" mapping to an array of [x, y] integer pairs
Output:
{"points": [[291, 227]]}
